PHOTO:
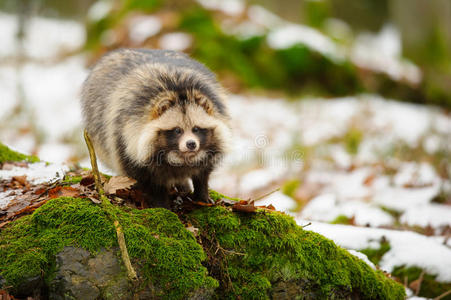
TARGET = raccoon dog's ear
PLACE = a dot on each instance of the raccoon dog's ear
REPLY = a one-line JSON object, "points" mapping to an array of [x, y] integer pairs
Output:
{"points": [[205, 103], [161, 107]]}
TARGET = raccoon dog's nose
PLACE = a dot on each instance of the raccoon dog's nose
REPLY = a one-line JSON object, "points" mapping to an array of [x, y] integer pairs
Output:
{"points": [[191, 145]]}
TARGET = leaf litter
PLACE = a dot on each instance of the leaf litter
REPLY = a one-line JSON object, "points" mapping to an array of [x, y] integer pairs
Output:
{"points": [[120, 190]]}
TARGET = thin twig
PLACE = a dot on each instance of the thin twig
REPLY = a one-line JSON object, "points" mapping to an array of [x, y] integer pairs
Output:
{"points": [[232, 252], [263, 196], [308, 224], [95, 169], [420, 281], [106, 205], [227, 251], [123, 247], [443, 295]]}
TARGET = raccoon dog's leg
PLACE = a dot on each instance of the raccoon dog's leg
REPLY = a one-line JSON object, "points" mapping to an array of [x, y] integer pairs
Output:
{"points": [[158, 195], [183, 188], [200, 183]]}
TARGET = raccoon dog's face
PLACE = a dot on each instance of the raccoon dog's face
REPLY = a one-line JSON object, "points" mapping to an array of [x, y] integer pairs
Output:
{"points": [[188, 142], [184, 131]]}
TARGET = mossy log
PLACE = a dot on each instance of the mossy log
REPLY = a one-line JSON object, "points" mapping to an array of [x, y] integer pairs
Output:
{"points": [[254, 256]]}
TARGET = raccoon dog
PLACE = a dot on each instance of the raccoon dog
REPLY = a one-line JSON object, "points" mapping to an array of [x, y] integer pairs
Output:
{"points": [[159, 117]]}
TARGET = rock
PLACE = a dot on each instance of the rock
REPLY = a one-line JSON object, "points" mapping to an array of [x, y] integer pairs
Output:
{"points": [[30, 287], [291, 289], [81, 275]]}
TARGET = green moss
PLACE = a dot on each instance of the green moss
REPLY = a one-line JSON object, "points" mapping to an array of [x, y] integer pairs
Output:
{"points": [[352, 140], [342, 219], [218, 196], [393, 212], [317, 12], [28, 245], [290, 187], [173, 259], [250, 254], [145, 6], [157, 241], [430, 288], [7, 154], [72, 180], [375, 254]]}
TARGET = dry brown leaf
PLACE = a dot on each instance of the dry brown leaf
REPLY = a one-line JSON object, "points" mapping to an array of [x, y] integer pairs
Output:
{"points": [[193, 229], [414, 285], [4, 295], [94, 200], [1, 226], [63, 191], [21, 179], [8, 166], [413, 185], [87, 180], [199, 203], [27, 210], [369, 180], [118, 183], [39, 191], [244, 206], [270, 207]]}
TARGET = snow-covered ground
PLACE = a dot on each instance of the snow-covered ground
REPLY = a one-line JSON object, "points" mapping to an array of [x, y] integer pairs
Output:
{"points": [[378, 162], [35, 173], [39, 98], [406, 248]]}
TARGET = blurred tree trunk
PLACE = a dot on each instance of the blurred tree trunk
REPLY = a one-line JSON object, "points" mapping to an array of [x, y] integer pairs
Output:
{"points": [[425, 27]]}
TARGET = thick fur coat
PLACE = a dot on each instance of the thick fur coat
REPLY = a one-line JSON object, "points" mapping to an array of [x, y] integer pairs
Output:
{"points": [[156, 116]]}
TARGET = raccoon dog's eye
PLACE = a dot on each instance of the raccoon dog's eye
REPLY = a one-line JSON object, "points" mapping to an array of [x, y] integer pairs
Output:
{"points": [[196, 129], [178, 130]]}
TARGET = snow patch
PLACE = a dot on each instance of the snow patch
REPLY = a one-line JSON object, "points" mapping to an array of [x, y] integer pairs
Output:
{"points": [[327, 208], [8, 88], [6, 198], [230, 7], [292, 34], [99, 10], [60, 36], [406, 248], [37, 173], [261, 16], [9, 28], [362, 257], [434, 215], [382, 53], [55, 152], [401, 199], [279, 200], [52, 92], [143, 27], [177, 41]]}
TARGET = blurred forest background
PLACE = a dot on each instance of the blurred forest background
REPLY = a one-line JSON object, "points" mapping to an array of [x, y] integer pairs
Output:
{"points": [[344, 104]]}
